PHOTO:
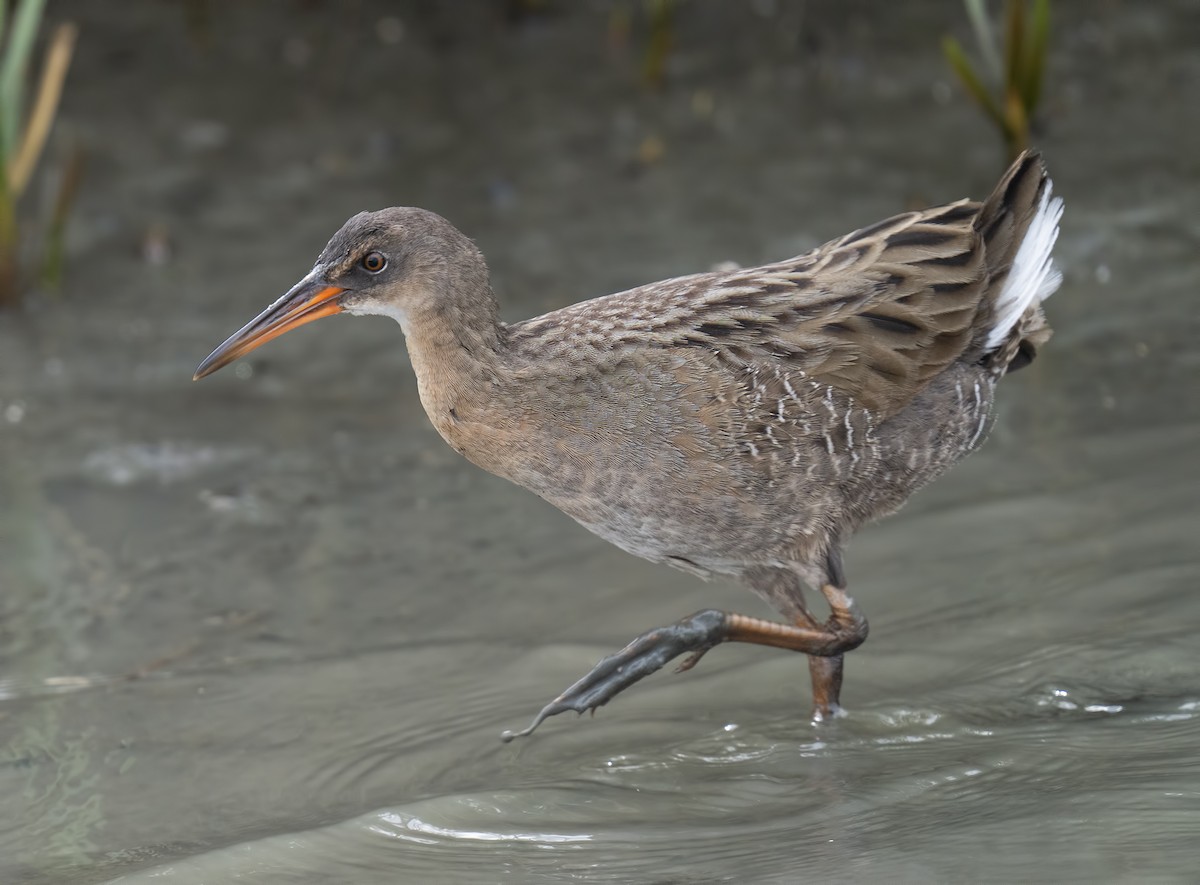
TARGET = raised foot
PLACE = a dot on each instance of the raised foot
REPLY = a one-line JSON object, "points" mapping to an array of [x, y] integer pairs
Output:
{"points": [[649, 652]]}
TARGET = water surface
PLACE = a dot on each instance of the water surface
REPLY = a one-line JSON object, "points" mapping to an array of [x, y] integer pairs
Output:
{"points": [[269, 627]]}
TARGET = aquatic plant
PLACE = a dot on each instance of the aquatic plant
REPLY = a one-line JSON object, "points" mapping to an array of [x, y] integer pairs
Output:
{"points": [[23, 138], [659, 23], [658, 48], [1016, 69]]}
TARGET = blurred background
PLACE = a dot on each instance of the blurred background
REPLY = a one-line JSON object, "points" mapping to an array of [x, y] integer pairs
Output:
{"points": [[269, 626]]}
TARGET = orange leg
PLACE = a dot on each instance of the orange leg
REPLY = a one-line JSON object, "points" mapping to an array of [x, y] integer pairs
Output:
{"points": [[826, 676], [845, 629]]}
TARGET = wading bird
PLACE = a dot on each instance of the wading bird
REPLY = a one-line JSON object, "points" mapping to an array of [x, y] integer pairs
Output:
{"points": [[740, 423]]}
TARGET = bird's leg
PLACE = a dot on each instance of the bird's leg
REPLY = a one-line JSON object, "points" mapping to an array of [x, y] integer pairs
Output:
{"points": [[845, 629], [783, 590], [826, 671], [826, 676]]}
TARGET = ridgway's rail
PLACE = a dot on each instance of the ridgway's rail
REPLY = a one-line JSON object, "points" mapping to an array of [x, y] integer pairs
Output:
{"points": [[742, 422]]}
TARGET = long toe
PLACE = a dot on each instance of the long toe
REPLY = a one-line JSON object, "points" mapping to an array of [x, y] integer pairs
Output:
{"points": [[644, 655]]}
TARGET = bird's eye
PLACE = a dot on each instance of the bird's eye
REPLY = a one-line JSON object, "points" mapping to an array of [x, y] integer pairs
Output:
{"points": [[374, 262]]}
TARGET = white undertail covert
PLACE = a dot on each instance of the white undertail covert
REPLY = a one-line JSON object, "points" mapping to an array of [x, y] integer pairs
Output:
{"points": [[1033, 277]]}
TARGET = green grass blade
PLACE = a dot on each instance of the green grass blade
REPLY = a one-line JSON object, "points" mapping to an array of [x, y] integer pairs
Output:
{"points": [[957, 59], [1014, 48], [1035, 56], [55, 259], [981, 24], [40, 119], [26, 21], [10, 292]]}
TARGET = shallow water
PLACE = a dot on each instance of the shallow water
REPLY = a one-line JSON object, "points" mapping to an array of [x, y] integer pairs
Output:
{"points": [[269, 627]]}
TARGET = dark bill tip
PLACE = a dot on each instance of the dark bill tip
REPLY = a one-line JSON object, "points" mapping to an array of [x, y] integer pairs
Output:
{"points": [[307, 301]]}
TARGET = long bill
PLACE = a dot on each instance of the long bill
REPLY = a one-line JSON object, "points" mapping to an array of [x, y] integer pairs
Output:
{"points": [[310, 299]]}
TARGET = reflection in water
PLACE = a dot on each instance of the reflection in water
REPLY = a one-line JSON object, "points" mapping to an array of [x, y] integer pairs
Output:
{"points": [[870, 803], [406, 827]]}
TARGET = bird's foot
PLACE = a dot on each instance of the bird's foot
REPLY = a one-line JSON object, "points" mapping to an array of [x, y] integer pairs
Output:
{"points": [[646, 654]]}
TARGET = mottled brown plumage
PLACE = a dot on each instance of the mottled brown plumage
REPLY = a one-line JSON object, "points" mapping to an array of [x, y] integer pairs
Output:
{"points": [[741, 423]]}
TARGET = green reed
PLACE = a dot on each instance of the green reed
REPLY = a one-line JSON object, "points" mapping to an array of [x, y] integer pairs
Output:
{"points": [[23, 136], [1015, 69]]}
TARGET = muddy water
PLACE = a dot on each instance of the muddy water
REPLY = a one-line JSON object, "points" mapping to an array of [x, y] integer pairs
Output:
{"points": [[269, 627]]}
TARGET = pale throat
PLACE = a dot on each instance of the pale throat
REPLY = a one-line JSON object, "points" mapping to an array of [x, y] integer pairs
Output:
{"points": [[456, 364], [375, 307]]}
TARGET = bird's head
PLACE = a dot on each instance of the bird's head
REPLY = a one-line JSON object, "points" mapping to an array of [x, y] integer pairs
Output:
{"points": [[398, 262]]}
